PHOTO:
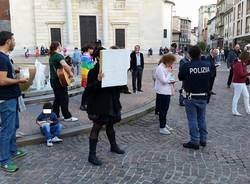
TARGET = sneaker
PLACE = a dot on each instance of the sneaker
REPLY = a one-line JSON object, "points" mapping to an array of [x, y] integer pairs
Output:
{"points": [[19, 154], [236, 114], [191, 146], [72, 119], [140, 91], [10, 167], [49, 143], [164, 131], [56, 139], [169, 128]]}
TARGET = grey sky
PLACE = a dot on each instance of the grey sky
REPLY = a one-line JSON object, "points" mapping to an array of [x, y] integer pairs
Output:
{"points": [[189, 8]]}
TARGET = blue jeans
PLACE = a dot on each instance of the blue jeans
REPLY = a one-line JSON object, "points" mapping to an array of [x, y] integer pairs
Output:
{"points": [[196, 112], [9, 123], [51, 131]]}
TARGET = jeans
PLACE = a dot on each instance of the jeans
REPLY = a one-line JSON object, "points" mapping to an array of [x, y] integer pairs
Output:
{"points": [[163, 105], [51, 131], [240, 88], [137, 77], [196, 113], [61, 100], [9, 123], [77, 68]]}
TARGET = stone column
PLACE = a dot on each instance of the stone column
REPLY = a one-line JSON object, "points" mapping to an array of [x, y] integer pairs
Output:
{"points": [[69, 24], [105, 21]]}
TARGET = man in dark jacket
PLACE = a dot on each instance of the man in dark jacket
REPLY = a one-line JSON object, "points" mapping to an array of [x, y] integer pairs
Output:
{"points": [[211, 59], [136, 67], [232, 56]]}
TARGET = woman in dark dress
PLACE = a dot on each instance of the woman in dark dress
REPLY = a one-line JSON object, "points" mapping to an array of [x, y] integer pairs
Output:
{"points": [[103, 108]]}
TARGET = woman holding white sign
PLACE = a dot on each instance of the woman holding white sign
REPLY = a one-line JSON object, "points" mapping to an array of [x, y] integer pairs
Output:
{"points": [[103, 108]]}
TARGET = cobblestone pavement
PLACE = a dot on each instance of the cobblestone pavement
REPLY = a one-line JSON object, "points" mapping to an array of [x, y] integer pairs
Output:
{"points": [[150, 157]]}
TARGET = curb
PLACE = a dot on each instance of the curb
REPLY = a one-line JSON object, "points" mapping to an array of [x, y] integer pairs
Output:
{"points": [[79, 130]]}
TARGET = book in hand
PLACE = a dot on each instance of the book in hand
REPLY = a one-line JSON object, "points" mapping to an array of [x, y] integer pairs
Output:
{"points": [[41, 123]]}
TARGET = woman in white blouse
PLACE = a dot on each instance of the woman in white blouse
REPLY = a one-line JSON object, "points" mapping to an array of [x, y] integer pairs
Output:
{"points": [[164, 87]]}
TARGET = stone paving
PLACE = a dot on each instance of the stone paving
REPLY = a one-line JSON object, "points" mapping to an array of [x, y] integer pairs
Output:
{"points": [[150, 157]]}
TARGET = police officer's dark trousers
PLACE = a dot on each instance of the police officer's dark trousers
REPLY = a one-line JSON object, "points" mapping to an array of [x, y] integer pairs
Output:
{"points": [[196, 112], [163, 105]]}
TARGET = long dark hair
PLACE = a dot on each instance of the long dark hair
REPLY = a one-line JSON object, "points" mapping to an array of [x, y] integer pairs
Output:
{"points": [[53, 47]]}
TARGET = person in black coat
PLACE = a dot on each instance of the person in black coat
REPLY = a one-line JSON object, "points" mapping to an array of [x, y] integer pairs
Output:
{"points": [[212, 61], [136, 67], [104, 108]]}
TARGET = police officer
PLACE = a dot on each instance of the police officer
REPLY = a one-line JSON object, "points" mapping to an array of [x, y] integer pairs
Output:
{"points": [[196, 76]]}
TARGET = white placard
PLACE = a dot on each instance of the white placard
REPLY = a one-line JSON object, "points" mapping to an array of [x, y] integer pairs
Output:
{"points": [[114, 66], [24, 73]]}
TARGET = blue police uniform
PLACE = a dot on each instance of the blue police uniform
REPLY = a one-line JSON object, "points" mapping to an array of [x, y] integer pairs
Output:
{"points": [[196, 76]]}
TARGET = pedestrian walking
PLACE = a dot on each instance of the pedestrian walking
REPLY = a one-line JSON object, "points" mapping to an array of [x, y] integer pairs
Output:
{"points": [[76, 59], [103, 108], [196, 76], [233, 55], [240, 76], [164, 87]]}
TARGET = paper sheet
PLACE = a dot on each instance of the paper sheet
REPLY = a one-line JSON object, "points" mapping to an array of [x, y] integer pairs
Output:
{"points": [[114, 66]]}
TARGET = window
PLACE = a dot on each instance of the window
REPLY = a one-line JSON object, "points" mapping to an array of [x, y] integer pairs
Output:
{"points": [[248, 6], [248, 24], [165, 33], [119, 4], [55, 34], [239, 11], [239, 27]]}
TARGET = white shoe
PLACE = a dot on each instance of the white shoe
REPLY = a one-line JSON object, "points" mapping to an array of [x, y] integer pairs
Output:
{"points": [[169, 128], [164, 131], [49, 143], [61, 118], [237, 114], [56, 139], [72, 119]]}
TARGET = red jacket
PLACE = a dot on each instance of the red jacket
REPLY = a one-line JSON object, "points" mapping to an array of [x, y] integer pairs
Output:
{"points": [[240, 73]]}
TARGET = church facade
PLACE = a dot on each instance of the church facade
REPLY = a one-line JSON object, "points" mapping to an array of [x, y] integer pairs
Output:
{"points": [[76, 23]]}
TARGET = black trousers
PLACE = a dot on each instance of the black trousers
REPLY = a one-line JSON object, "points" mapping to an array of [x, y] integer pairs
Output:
{"points": [[163, 104], [230, 77], [137, 78], [84, 98], [61, 101]]}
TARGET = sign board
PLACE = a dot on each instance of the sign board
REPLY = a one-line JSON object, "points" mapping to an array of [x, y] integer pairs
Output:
{"points": [[114, 66]]}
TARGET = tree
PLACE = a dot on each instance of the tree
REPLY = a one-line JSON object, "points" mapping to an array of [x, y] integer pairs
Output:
{"points": [[202, 45]]}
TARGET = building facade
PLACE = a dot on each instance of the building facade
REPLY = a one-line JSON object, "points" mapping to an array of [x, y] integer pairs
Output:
{"points": [[194, 36], [183, 26], [211, 35], [241, 22], [76, 23], [4, 15], [205, 14]]}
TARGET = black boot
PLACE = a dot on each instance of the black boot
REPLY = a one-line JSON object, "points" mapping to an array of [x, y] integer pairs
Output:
{"points": [[92, 152], [113, 146]]}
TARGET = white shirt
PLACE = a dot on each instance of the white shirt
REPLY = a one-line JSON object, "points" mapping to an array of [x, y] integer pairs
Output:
{"points": [[138, 59], [163, 79]]}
